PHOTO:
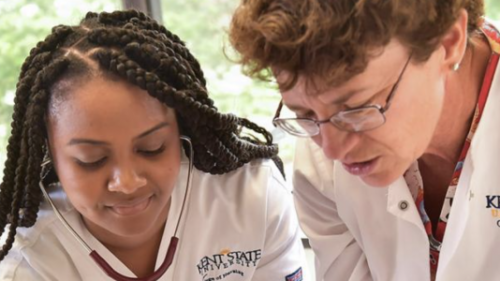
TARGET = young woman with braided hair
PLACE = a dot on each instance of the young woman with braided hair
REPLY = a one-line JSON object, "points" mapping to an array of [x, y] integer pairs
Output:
{"points": [[109, 118]]}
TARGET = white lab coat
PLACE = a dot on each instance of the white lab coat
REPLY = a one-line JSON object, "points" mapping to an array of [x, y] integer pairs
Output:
{"points": [[247, 215], [362, 233]]}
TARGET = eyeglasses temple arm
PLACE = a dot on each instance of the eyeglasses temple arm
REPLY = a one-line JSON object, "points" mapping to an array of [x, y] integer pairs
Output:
{"points": [[393, 91], [280, 106]]}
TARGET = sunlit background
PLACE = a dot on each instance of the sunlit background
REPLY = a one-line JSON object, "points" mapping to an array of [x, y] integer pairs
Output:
{"points": [[201, 24]]}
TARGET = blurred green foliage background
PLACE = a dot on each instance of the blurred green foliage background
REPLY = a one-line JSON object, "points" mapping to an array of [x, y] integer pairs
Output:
{"points": [[201, 24]]}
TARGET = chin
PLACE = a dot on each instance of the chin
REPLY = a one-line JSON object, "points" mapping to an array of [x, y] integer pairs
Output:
{"points": [[132, 228], [380, 179]]}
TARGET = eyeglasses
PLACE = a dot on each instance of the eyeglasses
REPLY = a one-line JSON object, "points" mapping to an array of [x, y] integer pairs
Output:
{"points": [[97, 258], [359, 119]]}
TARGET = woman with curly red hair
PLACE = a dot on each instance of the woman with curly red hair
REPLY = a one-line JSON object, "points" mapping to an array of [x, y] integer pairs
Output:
{"points": [[396, 177]]}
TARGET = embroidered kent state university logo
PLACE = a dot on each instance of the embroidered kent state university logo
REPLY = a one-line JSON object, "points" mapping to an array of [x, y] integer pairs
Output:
{"points": [[493, 203], [227, 263]]}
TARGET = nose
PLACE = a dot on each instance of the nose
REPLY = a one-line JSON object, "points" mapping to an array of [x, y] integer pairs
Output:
{"points": [[126, 179], [335, 143]]}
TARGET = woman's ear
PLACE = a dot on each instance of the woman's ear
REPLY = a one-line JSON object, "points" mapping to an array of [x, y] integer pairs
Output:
{"points": [[454, 42]]}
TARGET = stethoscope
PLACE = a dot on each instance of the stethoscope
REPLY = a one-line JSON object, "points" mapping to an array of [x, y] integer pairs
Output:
{"points": [[96, 257]]}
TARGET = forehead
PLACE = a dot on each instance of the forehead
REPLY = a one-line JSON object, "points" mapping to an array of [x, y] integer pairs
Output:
{"points": [[99, 105], [381, 69]]}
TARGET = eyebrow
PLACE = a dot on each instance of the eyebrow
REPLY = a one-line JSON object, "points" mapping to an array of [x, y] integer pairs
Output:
{"points": [[338, 100], [348, 96], [103, 143], [152, 130]]}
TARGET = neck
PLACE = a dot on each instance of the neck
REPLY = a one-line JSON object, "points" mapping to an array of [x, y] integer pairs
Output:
{"points": [[140, 259], [462, 90], [138, 252]]}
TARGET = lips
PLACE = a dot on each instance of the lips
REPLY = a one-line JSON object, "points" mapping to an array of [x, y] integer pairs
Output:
{"points": [[131, 207], [360, 168]]}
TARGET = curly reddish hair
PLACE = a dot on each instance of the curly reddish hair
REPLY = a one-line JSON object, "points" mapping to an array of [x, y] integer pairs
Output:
{"points": [[334, 39]]}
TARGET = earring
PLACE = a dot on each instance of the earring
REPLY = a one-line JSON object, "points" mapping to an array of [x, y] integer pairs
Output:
{"points": [[456, 67]]}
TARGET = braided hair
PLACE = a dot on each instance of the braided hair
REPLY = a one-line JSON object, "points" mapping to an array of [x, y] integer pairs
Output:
{"points": [[132, 46]]}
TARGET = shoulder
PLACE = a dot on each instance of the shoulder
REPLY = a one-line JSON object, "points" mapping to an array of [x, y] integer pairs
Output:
{"points": [[247, 194], [253, 179], [15, 268], [31, 243], [46, 219]]}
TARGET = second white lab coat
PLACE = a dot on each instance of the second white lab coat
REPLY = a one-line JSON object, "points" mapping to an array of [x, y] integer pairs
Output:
{"points": [[363, 233]]}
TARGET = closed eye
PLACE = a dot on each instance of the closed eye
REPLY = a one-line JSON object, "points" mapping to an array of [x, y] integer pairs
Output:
{"points": [[347, 107], [153, 152], [91, 165], [305, 115]]}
